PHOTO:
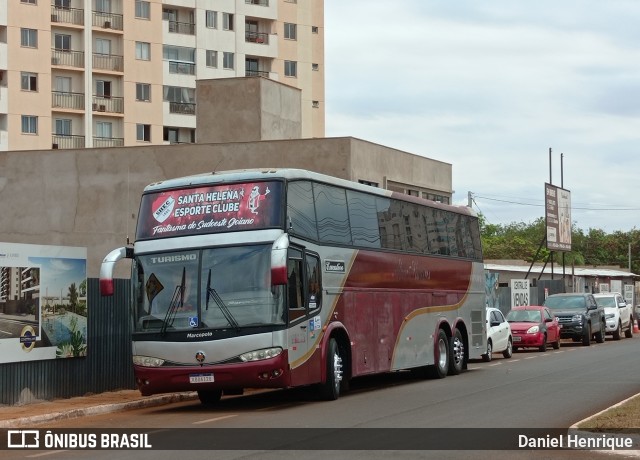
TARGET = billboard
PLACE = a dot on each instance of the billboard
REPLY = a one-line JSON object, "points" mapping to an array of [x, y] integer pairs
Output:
{"points": [[43, 302], [557, 204]]}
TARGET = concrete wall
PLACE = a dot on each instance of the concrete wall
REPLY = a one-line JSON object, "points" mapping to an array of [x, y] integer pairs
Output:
{"points": [[247, 109], [90, 197]]}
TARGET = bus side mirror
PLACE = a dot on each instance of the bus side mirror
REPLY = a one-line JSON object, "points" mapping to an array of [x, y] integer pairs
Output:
{"points": [[106, 269], [279, 260]]}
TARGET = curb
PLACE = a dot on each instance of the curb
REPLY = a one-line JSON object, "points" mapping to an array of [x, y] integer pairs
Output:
{"points": [[101, 409]]}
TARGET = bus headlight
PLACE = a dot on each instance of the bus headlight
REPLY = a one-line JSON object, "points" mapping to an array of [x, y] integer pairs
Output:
{"points": [[258, 355], [147, 361]]}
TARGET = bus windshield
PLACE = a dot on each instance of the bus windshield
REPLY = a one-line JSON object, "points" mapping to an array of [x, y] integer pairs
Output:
{"points": [[216, 288]]}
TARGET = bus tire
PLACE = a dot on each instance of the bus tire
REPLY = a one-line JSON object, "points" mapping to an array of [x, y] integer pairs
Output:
{"points": [[209, 397], [330, 389], [441, 357], [456, 353]]}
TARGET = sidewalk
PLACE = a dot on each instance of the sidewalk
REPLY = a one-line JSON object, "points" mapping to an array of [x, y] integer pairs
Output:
{"points": [[39, 412]]}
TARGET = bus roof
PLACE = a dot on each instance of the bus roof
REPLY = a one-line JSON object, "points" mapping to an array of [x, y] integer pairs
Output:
{"points": [[265, 174]]}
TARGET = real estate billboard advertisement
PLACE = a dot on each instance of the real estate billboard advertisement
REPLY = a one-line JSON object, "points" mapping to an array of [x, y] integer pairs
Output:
{"points": [[43, 302]]}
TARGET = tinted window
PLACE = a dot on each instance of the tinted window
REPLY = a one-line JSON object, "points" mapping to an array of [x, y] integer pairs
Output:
{"points": [[300, 210], [331, 212], [363, 215]]}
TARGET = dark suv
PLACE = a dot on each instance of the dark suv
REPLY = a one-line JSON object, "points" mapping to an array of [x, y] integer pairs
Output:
{"points": [[579, 315]]}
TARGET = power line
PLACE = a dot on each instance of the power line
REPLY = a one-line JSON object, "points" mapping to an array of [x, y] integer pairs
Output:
{"points": [[542, 205]]}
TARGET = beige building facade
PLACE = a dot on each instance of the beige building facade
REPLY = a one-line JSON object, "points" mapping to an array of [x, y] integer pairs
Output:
{"points": [[112, 73]]}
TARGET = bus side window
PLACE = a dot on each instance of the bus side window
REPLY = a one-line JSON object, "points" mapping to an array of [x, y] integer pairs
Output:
{"points": [[295, 293], [314, 282]]}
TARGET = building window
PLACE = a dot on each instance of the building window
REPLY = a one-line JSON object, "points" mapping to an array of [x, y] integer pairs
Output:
{"points": [[143, 133], [290, 68], [290, 31], [63, 127], [212, 58], [227, 21], [143, 51], [29, 38], [62, 42], [104, 129], [31, 2], [29, 81], [315, 67], [211, 19], [315, 104], [143, 92], [314, 29], [227, 60], [103, 88], [29, 124], [143, 10], [63, 4], [103, 47], [103, 6]]}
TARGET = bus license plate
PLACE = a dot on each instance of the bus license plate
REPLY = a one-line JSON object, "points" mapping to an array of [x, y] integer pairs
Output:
{"points": [[201, 378]]}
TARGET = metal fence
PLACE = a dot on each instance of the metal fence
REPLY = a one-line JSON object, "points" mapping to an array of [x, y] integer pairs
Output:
{"points": [[106, 367]]}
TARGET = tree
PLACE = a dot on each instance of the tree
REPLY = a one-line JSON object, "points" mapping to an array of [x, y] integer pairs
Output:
{"points": [[73, 297]]}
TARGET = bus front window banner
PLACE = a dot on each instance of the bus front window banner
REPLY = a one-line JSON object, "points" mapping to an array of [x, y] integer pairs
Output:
{"points": [[213, 209]]}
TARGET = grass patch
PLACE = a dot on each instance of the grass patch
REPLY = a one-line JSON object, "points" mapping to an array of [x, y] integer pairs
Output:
{"points": [[626, 415]]}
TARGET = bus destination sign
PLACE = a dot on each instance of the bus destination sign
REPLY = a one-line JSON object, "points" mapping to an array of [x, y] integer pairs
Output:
{"points": [[213, 209]]}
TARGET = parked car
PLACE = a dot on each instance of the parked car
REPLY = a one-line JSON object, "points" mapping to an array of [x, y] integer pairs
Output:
{"points": [[534, 326], [617, 314], [499, 339], [638, 315], [579, 315]]}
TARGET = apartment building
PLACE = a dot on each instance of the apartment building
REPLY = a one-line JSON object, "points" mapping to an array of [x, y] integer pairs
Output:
{"points": [[112, 73]]}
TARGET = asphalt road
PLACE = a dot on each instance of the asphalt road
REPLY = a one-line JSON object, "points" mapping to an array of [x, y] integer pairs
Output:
{"points": [[530, 390]]}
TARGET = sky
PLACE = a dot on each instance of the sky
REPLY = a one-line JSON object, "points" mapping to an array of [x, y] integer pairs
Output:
{"points": [[490, 87]]}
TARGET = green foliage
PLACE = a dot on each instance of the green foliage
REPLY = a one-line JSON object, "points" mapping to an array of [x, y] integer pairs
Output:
{"points": [[525, 241]]}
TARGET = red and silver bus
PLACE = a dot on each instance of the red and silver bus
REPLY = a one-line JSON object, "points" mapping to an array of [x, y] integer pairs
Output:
{"points": [[284, 277]]}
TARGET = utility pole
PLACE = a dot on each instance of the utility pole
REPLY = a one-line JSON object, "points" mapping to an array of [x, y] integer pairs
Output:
{"points": [[469, 199]]}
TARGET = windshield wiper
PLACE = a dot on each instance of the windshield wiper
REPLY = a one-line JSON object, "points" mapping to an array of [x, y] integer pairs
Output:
{"points": [[176, 302], [212, 293]]}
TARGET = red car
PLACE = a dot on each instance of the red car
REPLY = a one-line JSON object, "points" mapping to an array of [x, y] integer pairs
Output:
{"points": [[534, 326]]}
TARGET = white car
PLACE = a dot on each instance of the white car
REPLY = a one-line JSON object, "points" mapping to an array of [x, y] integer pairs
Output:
{"points": [[617, 313], [499, 338]]}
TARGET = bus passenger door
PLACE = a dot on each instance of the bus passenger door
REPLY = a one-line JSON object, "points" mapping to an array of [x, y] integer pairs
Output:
{"points": [[303, 302]]}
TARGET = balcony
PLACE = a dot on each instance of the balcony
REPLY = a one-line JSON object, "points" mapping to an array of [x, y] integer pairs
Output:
{"points": [[182, 68], [107, 20], [68, 58], [107, 104], [64, 141], [256, 37], [108, 142], [185, 28], [256, 73], [109, 62], [183, 108], [257, 2], [67, 100], [61, 15]]}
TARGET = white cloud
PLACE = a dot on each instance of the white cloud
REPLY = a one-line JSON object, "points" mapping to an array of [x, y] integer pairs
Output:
{"points": [[489, 87]]}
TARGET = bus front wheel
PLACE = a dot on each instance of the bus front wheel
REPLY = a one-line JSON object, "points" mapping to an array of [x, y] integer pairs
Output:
{"points": [[330, 389]]}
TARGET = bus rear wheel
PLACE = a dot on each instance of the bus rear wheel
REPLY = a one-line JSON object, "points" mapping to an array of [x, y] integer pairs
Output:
{"points": [[330, 389], [441, 357], [456, 353]]}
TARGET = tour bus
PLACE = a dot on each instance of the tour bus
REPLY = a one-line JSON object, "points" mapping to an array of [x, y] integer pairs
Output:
{"points": [[280, 278]]}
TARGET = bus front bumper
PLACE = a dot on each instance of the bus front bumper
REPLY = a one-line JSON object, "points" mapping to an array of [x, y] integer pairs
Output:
{"points": [[267, 373]]}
